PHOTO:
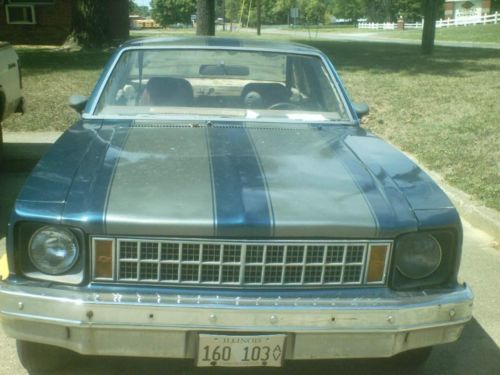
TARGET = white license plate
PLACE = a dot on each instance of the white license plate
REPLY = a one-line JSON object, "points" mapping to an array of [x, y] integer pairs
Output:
{"points": [[240, 351]]}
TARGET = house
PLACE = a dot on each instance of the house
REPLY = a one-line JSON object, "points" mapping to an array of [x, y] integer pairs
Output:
{"points": [[461, 8], [49, 21]]}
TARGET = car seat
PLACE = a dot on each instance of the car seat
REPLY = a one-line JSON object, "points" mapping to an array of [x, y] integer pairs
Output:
{"points": [[167, 91]]}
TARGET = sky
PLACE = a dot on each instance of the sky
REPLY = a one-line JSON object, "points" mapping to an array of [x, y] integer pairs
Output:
{"points": [[142, 2]]}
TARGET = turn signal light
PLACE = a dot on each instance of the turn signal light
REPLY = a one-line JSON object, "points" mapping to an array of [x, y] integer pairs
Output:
{"points": [[377, 263], [103, 258]]}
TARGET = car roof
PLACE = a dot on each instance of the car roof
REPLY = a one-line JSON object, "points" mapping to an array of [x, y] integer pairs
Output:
{"points": [[211, 41]]}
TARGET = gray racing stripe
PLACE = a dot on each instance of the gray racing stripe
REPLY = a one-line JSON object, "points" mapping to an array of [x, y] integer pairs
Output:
{"points": [[162, 184], [311, 192]]}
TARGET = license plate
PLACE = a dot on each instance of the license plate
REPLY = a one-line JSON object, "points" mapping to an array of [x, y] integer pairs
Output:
{"points": [[240, 351]]}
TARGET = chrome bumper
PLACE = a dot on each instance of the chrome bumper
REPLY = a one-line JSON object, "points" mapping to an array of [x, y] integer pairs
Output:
{"points": [[155, 325]]}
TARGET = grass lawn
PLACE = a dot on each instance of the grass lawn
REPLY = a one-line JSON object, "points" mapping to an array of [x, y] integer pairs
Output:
{"points": [[444, 110], [475, 34]]}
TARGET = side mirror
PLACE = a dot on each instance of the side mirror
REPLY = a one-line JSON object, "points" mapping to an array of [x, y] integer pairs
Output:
{"points": [[361, 109], [78, 102]]}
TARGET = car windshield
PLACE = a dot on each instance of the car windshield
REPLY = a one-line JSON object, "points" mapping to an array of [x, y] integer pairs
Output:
{"points": [[221, 83]]}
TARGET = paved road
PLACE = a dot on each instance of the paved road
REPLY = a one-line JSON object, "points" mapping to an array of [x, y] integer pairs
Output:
{"points": [[357, 36], [360, 36], [477, 352]]}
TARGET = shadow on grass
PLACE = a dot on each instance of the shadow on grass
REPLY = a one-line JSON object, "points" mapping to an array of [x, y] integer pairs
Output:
{"points": [[40, 60], [405, 58], [347, 55]]}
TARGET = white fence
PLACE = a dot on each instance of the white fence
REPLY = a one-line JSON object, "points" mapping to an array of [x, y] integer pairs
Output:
{"points": [[460, 21]]}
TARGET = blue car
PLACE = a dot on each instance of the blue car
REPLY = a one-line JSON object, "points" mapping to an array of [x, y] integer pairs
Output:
{"points": [[219, 201]]}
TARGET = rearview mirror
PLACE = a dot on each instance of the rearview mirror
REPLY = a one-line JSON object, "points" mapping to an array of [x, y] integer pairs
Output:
{"points": [[361, 109], [78, 102]]}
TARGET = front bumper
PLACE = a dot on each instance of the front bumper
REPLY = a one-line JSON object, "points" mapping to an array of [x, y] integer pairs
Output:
{"points": [[155, 325]]}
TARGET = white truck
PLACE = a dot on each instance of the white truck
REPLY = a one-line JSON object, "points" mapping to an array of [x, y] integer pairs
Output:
{"points": [[11, 98]]}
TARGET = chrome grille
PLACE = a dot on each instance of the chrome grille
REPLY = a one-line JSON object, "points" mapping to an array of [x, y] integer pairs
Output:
{"points": [[234, 263]]}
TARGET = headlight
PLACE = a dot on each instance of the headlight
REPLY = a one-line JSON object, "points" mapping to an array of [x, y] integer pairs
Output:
{"points": [[418, 255], [53, 250]]}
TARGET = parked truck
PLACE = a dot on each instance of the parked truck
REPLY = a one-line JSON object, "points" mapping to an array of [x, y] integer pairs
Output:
{"points": [[11, 98]]}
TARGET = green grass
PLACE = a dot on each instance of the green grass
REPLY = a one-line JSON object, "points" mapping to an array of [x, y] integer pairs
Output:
{"points": [[443, 109], [473, 34], [50, 76]]}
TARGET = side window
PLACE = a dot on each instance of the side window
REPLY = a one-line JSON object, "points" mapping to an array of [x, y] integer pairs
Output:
{"points": [[310, 79], [299, 80]]}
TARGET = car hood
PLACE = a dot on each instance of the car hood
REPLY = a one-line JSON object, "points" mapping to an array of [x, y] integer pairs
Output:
{"points": [[250, 180]]}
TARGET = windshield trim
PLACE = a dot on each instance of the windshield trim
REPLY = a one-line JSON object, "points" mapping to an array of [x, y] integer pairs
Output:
{"points": [[215, 119], [95, 97]]}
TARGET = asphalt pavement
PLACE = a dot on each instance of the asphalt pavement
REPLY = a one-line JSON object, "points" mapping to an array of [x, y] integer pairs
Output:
{"points": [[477, 352], [368, 36]]}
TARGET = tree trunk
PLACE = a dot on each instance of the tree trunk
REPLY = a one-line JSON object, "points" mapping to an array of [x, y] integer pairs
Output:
{"points": [[259, 9], [205, 17], [429, 31]]}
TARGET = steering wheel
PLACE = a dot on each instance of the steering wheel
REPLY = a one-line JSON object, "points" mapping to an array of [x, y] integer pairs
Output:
{"points": [[283, 105]]}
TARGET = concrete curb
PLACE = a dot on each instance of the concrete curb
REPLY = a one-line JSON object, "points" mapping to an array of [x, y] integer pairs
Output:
{"points": [[479, 216]]}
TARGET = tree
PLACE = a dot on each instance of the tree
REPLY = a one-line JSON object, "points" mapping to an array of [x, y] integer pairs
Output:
{"points": [[410, 10], [429, 31], [349, 9], [378, 10], [313, 11], [142, 11], [280, 10], [91, 26], [495, 6], [205, 17], [232, 9], [258, 5], [168, 12]]}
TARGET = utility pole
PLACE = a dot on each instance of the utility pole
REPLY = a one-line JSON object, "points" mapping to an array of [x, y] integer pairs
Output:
{"points": [[249, 11], [258, 5], [241, 13]]}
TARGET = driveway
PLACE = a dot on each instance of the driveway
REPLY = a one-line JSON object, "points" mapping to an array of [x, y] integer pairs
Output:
{"points": [[477, 352]]}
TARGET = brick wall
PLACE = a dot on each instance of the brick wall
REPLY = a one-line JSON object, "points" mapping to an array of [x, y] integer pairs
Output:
{"points": [[449, 9], [52, 26], [53, 23], [486, 6]]}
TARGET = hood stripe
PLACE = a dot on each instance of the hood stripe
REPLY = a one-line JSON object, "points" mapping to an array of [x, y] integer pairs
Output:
{"points": [[381, 209], [89, 195], [242, 205]]}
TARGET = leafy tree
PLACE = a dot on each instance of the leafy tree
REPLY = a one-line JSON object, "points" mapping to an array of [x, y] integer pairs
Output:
{"points": [[313, 11], [90, 24], [142, 11], [495, 6], [168, 12], [279, 11], [349, 9], [378, 10], [410, 10], [232, 9]]}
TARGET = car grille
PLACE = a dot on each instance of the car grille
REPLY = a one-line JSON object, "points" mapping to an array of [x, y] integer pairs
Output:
{"points": [[235, 263]]}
